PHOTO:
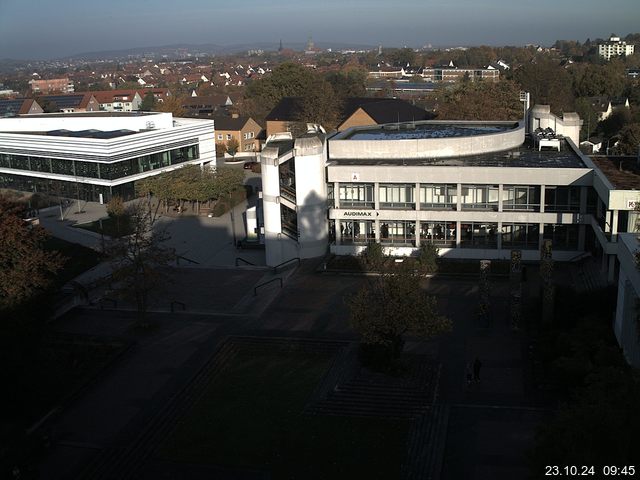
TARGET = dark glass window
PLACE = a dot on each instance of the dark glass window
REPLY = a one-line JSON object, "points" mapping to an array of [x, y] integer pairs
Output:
{"points": [[478, 235], [62, 167], [439, 233], [86, 169], [520, 235]]}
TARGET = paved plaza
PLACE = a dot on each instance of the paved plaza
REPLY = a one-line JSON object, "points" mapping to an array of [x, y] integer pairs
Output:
{"points": [[476, 431]]}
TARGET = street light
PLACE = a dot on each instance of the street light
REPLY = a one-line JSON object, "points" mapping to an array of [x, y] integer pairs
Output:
{"points": [[609, 140]]}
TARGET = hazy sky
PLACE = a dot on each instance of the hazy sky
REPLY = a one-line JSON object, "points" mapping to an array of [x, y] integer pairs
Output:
{"points": [[54, 28]]}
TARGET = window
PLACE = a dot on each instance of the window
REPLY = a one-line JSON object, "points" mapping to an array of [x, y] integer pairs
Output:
{"points": [[439, 233], [562, 199], [39, 164], [289, 220], [86, 169], [563, 237], [219, 136], [521, 198], [481, 197], [398, 233], [396, 196], [356, 195], [524, 236], [357, 232], [444, 197], [478, 235], [229, 136]]}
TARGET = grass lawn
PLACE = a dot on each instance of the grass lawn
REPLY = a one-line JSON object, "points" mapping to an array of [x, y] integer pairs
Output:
{"points": [[251, 417]]}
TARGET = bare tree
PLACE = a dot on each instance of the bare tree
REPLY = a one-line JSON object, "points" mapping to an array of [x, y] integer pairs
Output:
{"points": [[140, 259]]}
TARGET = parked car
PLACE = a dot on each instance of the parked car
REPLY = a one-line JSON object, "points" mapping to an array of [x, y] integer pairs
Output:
{"points": [[250, 165]]}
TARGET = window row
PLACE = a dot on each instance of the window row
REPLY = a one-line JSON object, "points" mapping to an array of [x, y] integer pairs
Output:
{"points": [[523, 236], [105, 171], [59, 189], [445, 197]]}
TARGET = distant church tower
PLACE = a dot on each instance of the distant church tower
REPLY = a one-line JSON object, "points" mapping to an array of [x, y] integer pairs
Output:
{"points": [[310, 45], [280, 47], [380, 49]]}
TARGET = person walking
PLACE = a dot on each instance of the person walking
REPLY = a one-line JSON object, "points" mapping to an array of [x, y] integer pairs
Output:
{"points": [[469, 374], [477, 365]]}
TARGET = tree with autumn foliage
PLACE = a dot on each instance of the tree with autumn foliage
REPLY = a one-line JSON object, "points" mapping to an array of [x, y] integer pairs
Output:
{"points": [[171, 105], [387, 308], [482, 100], [26, 269]]}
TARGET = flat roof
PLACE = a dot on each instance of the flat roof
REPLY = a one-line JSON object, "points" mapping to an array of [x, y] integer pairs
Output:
{"points": [[419, 130], [622, 172], [88, 114], [91, 133], [526, 156]]}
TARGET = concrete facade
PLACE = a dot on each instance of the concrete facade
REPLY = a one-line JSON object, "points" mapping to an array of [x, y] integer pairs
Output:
{"points": [[343, 147]]}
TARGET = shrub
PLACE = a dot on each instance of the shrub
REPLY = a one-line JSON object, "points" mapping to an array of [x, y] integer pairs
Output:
{"points": [[428, 258], [373, 256]]}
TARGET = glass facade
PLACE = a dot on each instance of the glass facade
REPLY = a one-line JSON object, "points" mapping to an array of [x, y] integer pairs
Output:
{"points": [[396, 196], [289, 219], [101, 170], [287, 173], [525, 236], [440, 233], [480, 197], [398, 233], [562, 199], [358, 195], [478, 235], [357, 232], [563, 237], [65, 189], [439, 197], [521, 197]]}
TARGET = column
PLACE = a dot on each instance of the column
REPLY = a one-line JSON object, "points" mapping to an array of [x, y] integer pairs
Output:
{"points": [[376, 196], [459, 205], [336, 195], [583, 199], [612, 268], [416, 197], [500, 189], [458, 225], [541, 236], [542, 197], [614, 225]]}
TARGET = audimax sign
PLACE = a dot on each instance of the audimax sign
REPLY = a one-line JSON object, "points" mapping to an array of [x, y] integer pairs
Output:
{"points": [[362, 213]]}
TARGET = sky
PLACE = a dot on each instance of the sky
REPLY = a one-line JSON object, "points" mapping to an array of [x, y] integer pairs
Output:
{"points": [[46, 29]]}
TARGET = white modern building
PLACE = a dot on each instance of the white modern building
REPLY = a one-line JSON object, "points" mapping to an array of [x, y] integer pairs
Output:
{"points": [[615, 48], [477, 190], [96, 155], [626, 326]]}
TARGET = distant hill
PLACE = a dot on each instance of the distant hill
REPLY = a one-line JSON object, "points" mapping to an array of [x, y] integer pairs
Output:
{"points": [[210, 49]]}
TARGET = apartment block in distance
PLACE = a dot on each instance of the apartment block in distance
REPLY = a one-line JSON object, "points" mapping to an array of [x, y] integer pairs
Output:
{"points": [[615, 48], [52, 85]]}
